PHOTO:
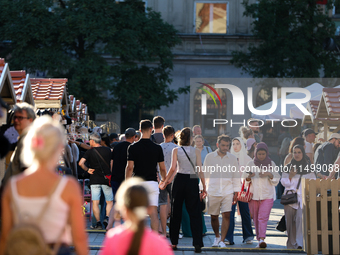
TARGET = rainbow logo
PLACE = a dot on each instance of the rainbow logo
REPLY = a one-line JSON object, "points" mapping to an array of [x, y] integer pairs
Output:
{"points": [[204, 97]]}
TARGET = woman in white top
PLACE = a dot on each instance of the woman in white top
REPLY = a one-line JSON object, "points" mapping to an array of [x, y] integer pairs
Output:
{"points": [[291, 180], [28, 192], [263, 181], [238, 150], [185, 189]]}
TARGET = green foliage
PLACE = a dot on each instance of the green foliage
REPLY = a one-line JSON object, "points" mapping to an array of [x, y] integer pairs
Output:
{"points": [[103, 47], [290, 36]]}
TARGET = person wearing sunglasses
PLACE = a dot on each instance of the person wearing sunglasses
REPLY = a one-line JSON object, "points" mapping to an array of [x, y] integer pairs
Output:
{"points": [[23, 117]]}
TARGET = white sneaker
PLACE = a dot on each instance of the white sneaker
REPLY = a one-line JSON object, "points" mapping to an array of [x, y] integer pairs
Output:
{"points": [[238, 218], [227, 242], [249, 242], [217, 240], [221, 244], [180, 236]]}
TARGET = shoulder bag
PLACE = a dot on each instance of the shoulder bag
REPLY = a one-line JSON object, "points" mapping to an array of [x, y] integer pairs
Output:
{"points": [[203, 201], [245, 196], [106, 176], [290, 197]]}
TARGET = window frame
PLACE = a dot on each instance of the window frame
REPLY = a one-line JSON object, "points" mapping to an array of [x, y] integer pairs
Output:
{"points": [[145, 1], [213, 2]]}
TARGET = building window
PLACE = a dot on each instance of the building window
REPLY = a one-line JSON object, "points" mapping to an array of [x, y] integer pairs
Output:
{"points": [[264, 97], [214, 111], [143, 5], [211, 17]]}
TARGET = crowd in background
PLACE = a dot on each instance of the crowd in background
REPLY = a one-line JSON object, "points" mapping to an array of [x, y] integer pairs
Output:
{"points": [[156, 172]]}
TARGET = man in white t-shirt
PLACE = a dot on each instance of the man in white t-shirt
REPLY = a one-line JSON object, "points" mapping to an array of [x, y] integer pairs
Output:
{"points": [[309, 136]]}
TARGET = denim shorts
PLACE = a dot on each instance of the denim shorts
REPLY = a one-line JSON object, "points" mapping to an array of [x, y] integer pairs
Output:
{"points": [[95, 192]]}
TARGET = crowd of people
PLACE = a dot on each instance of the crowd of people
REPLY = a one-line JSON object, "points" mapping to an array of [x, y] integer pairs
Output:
{"points": [[157, 172]]}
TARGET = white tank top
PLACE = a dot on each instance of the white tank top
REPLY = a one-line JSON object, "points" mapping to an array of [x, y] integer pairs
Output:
{"points": [[55, 217], [184, 165]]}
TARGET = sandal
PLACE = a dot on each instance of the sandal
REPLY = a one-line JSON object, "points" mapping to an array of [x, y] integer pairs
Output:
{"points": [[174, 247]]}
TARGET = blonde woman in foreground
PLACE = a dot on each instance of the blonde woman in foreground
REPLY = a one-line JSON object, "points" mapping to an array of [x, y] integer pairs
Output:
{"points": [[63, 221]]}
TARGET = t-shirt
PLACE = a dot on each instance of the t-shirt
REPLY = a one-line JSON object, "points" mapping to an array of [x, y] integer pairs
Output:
{"points": [[309, 147], [145, 154], [119, 156], [157, 138], [167, 151], [94, 161], [118, 240]]}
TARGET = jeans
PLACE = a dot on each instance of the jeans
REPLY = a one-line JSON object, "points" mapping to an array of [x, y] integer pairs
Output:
{"points": [[247, 229]]}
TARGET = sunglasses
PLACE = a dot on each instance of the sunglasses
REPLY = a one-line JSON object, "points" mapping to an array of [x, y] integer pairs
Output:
{"points": [[19, 118]]}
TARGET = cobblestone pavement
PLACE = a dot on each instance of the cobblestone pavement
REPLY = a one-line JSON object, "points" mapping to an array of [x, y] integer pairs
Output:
{"points": [[276, 241]]}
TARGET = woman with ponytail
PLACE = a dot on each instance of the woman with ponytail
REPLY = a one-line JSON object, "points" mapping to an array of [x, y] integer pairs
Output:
{"points": [[133, 237]]}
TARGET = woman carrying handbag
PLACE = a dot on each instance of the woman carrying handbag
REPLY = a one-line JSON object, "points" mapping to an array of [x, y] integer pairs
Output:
{"points": [[185, 189], [263, 181], [298, 168], [238, 150]]}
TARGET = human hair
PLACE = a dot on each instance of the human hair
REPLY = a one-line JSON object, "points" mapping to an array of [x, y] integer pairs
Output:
{"points": [[95, 137], [185, 136], [315, 147], [29, 109], [133, 197], [245, 132], [193, 128], [168, 131], [105, 138], [295, 141], [176, 138], [145, 125], [158, 122], [42, 140], [225, 138], [138, 134], [251, 120], [198, 136]]}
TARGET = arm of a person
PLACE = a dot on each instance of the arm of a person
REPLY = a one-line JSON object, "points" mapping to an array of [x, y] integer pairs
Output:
{"points": [[172, 167], [199, 168], [236, 178], [7, 220], [72, 194], [162, 170], [111, 165], [82, 164], [287, 159], [129, 169], [285, 181], [276, 176]]}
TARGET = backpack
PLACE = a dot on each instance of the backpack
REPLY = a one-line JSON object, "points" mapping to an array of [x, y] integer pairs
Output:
{"points": [[26, 237]]}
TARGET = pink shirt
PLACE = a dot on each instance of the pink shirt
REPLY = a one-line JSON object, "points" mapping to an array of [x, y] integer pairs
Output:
{"points": [[118, 240]]}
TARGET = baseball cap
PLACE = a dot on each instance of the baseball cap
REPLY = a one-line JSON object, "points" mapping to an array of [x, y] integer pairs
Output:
{"points": [[309, 131], [113, 136], [130, 132], [334, 135], [250, 142]]}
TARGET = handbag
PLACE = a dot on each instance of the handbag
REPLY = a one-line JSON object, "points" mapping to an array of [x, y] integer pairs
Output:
{"points": [[290, 197], [203, 201], [281, 226], [106, 176], [245, 196]]}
